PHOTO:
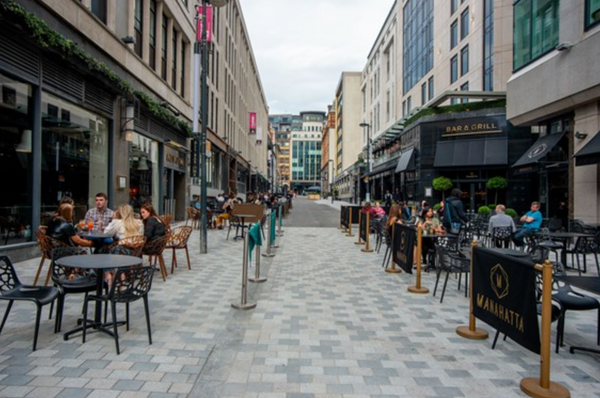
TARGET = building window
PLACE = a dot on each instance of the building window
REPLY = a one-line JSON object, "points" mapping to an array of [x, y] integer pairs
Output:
{"points": [[403, 108], [464, 24], [454, 34], [464, 87], [163, 59], [430, 88], [454, 69], [488, 45], [174, 62], [464, 60], [388, 104], [408, 104], [417, 41], [454, 7], [183, 61], [99, 9], [535, 30], [153, 34], [423, 93], [592, 13], [138, 26]]}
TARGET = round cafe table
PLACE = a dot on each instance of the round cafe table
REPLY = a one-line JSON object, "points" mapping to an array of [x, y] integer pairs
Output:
{"points": [[98, 263], [242, 217]]}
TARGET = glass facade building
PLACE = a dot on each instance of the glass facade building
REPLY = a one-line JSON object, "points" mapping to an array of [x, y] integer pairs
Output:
{"points": [[418, 41], [306, 161], [535, 30]]}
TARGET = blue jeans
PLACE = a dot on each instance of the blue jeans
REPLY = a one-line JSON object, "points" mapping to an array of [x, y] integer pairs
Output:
{"points": [[519, 236]]}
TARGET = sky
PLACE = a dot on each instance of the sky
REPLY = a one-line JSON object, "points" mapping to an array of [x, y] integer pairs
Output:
{"points": [[302, 46]]}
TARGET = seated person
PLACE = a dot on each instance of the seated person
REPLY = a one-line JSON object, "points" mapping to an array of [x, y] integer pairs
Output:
{"points": [[501, 220], [431, 225], [228, 205], [100, 215], [124, 224], [62, 229], [154, 227], [394, 218], [378, 211], [532, 221]]}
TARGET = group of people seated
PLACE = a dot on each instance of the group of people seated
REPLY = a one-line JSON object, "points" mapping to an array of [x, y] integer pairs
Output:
{"points": [[228, 203], [119, 224]]}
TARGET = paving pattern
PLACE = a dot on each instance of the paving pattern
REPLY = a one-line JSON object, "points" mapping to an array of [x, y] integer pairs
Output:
{"points": [[329, 323]]}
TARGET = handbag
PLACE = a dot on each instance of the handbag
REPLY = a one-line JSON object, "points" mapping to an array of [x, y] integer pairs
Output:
{"points": [[454, 226]]}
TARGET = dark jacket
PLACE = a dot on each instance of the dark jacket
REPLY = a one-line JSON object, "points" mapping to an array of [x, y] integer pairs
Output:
{"points": [[154, 229], [457, 213], [61, 230]]}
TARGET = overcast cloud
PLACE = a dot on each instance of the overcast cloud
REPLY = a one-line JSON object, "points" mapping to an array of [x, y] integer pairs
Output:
{"points": [[302, 46]]}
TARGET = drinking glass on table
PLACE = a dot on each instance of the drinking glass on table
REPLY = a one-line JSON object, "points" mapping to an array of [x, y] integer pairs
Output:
{"points": [[90, 225], [81, 225]]}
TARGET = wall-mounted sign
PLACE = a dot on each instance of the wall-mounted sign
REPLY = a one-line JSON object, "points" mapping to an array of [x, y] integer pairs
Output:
{"points": [[174, 159], [252, 122], [471, 126]]}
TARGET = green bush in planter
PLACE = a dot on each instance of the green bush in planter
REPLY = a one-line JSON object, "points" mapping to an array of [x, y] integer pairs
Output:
{"points": [[484, 210], [437, 206], [492, 207], [511, 213]]}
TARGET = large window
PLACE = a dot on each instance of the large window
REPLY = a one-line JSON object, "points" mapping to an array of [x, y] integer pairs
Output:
{"points": [[423, 93], [163, 59], [174, 61], [454, 69], [592, 13], [464, 60], [152, 43], [454, 6], [418, 41], [454, 34], [488, 45], [99, 9], [74, 155], [431, 92], [535, 30], [138, 25], [16, 125]]}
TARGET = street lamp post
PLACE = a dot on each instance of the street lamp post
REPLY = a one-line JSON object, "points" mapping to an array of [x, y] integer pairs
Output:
{"points": [[368, 126], [201, 55]]}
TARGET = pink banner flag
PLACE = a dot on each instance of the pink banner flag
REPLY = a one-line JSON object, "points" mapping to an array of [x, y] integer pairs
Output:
{"points": [[209, 16], [252, 123]]}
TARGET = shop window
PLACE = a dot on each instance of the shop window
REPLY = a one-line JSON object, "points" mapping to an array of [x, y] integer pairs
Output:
{"points": [[592, 13], [144, 174], [74, 155], [535, 30], [16, 113]]}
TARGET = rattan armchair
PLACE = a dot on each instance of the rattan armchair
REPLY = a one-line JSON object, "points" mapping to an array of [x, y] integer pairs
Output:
{"points": [[154, 250], [47, 244], [178, 239]]}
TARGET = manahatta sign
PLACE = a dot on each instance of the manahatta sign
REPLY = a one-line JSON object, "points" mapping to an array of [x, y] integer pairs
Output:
{"points": [[504, 296], [403, 244]]}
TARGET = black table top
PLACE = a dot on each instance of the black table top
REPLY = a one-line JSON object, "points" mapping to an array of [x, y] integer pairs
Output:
{"points": [[91, 235], [588, 283], [99, 261], [511, 252], [568, 235], [438, 236]]}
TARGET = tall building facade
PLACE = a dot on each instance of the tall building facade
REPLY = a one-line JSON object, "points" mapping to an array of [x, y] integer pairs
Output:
{"points": [[282, 128], [106, 106], [305, 152], [555, 89], [328, 140]]}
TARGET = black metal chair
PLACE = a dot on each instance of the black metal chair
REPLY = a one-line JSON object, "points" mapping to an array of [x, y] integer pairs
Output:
{"points": [[129, 285], [70, 280], [11, 290], [501, 236], [584, 246], [450, 263]]}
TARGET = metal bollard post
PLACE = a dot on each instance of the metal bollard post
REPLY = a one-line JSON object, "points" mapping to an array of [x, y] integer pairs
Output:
{"points": [[279, 230], [268, 253], [275, 245], [257, 278], [244, 305]]}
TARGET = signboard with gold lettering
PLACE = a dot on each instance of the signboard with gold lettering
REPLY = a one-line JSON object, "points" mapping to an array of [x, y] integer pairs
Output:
{"points": [[174, 159], [504, 296], [473, 127], [403, 246]]}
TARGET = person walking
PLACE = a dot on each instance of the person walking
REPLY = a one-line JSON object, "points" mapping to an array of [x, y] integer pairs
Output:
{"points": [[454, 212], [388, 199]]}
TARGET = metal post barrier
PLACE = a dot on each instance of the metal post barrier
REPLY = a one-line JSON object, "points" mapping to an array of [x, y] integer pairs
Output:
{"points": [[472, 331], [274, 226], [350, 222], [279, 213], [244, 305], [366, 249], [392, 269], [543, 387], [417, 288], [359, 241], [269, 253], [257, 278]]}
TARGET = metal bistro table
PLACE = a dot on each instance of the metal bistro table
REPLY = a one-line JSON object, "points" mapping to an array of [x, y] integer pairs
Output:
{"points": [[243, 218], [587, 283], [565, 237], [99, 263], [97, 238]]}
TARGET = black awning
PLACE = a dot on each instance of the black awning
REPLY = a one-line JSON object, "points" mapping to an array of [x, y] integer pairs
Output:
{"points": [[382, 168], [539, 149], [407, 161], [488, 152], [590, 153]]}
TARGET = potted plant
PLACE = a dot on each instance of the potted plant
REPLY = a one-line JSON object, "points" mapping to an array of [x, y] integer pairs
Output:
{"points": [[442, 184], [496, 184]]}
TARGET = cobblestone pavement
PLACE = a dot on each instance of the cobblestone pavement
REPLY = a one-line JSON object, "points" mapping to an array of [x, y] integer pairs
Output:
{"points": [[329, 323]]}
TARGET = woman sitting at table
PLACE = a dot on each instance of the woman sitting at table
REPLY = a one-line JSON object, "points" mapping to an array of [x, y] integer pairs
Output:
{"points": [[124, 224], [395, 217], [62, 229], [431, 225], [153, 226]]}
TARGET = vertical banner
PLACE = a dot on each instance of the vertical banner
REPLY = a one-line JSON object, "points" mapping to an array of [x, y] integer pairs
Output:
{"points": [[195, 160], [504, 296], [209, 16], [252, 122], [403, 247], [259, 134]]}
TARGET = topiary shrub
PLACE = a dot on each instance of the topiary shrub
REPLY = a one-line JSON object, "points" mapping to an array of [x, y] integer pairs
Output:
{"points": [[437, 206], [442, 184], [511, 213], [491, 207], [484, 210]]}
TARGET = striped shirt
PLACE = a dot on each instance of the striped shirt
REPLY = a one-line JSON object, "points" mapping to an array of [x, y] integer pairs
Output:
{"points": [[100, 219]]}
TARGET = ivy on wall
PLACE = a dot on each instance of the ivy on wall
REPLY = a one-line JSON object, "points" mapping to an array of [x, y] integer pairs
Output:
{"points": [[50, 39], [471, 106]]}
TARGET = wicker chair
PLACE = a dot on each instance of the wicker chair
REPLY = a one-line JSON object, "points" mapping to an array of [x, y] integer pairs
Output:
{"points": [[193, 217], [131, 246], [154, 249], [47, 244], [178, 239]]}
